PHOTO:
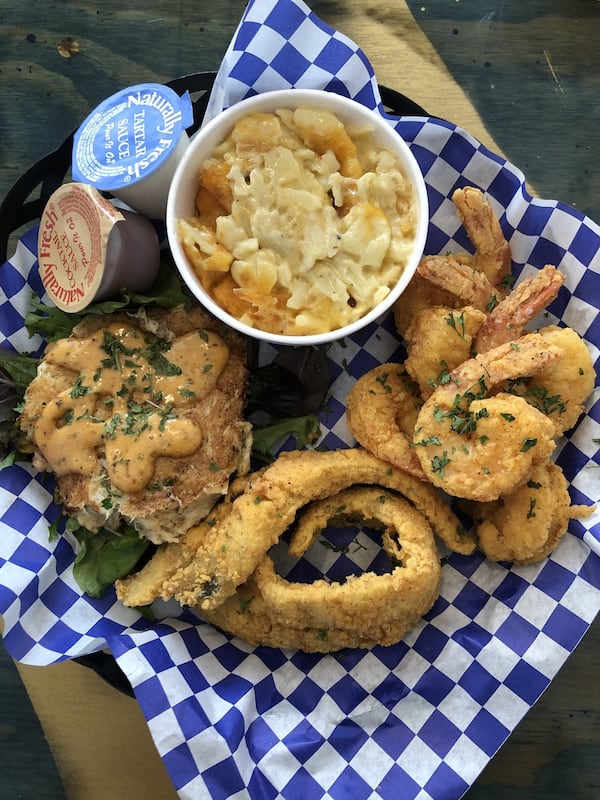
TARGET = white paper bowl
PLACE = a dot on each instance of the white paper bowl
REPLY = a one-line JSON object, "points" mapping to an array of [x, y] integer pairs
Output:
{"points": [[184, 187]]}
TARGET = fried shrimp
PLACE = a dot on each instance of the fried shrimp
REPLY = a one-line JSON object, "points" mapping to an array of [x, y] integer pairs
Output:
{"points": [[420, 294], [381, 608], [561, 389], [381, 411], [507, 320], [526, 525], [439, 338], [478, 446], [452, 281], [459, 279], [492, 251], [216, 557], [437, 341]]}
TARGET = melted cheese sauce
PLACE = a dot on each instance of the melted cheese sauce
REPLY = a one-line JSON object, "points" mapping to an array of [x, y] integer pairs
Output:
{"points": [[127, 401]]}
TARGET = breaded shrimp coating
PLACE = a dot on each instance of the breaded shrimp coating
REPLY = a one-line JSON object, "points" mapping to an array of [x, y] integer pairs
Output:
{"points": [[526, 525], [438, 340], [478, 445], [381, 411]]}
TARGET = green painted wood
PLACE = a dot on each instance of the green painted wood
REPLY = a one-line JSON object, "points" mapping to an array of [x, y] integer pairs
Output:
{"points": [[119, 44], [531, 70]]}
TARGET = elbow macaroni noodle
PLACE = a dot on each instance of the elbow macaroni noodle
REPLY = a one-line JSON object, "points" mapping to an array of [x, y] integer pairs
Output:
{"points": [[303, 225]]}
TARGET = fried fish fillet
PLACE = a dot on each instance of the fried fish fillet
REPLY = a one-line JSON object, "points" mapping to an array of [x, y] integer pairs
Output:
{"points": [[196, 440], [384, 607], [214, 558]]}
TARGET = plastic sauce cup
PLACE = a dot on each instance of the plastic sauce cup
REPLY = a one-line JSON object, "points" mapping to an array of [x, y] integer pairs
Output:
{"points": [[131, 144], [88, 250]]}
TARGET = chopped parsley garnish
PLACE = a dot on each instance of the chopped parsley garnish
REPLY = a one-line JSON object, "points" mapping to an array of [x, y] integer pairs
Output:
{"points": [[115, 349], [245, 605], [435, 440], [507, 281], [538, 396], [159, 362], [79, 390], [439, 463], [335, 548], [528, 444], [382, 379], [457, 323], [444, 374], [160, 486], [491, 303]]}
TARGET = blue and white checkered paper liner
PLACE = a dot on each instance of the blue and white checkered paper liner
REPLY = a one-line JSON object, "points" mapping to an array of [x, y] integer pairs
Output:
{"points": [[419, 719]]}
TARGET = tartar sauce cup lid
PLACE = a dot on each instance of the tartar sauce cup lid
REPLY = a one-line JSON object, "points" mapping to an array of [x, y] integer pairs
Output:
{"points": [[88, 250], [130, 137]]}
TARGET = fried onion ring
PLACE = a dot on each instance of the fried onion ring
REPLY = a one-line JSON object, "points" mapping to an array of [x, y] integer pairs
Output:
{"points": [[363, 611], [213, 559], [244, 614]]}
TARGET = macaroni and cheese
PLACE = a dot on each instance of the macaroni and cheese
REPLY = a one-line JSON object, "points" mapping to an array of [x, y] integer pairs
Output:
{"points": [[302, 224]]}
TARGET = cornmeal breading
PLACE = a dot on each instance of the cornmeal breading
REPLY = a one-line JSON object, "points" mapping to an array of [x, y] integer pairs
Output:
{"points": [[215, 557], [155, 425]]}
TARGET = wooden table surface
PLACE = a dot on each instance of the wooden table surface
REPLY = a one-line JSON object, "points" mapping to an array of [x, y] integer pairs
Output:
{"points": [[524, 79]]}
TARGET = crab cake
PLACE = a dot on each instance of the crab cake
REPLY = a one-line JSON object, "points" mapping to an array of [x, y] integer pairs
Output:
{"points": [[141, 419]]}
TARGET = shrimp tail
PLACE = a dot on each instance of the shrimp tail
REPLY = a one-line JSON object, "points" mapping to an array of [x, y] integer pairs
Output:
{"points": [[506, 321], [521, 358], [459, 278], [492, 251]]}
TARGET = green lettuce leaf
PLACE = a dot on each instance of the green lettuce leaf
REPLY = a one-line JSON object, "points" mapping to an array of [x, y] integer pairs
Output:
{"points": [[51, 323], [21, 368], [105, 556], [305, 430], [16, 373]]}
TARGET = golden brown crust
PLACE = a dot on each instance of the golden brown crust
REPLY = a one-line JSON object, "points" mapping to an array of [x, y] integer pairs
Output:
{"points": [[362, 611], [386, 605], [526, 525], [381, 412], [212, 563], [244, 614]]}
